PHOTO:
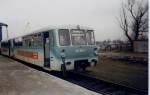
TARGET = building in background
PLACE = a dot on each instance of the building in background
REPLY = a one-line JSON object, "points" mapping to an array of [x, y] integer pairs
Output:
{"points": [[0, 37], [141, 46], [1, 28]]}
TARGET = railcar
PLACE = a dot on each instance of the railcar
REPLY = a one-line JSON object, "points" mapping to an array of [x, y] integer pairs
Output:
{"points": [[60, 48]]}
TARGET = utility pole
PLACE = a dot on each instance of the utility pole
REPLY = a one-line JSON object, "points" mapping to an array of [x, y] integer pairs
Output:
{"points": [[27, 25]]}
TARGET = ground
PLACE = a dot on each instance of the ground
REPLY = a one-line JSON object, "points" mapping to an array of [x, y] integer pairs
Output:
{"points": [[134, 75]]}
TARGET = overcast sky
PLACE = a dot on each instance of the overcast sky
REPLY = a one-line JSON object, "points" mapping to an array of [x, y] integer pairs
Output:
{"points": [[98, 14]]}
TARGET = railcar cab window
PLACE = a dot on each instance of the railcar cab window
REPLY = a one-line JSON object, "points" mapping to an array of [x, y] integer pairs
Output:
{"points": [[78, 37], [90, 37], [64, 37]]}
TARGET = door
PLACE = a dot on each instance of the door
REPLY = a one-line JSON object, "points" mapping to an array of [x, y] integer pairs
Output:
{"points": [[46, 49], [9, 46]]}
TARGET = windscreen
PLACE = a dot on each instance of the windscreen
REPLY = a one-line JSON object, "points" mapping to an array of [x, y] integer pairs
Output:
{"points": [[90, 37], [78, 37], [64, 37]]}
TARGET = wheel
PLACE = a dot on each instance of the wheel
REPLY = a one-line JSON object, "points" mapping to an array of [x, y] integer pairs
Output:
{"points": [[63, 69], [84, 68]]}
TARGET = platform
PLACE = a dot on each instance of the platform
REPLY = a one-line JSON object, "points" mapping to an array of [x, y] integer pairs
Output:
{"points": [[18, 79]]}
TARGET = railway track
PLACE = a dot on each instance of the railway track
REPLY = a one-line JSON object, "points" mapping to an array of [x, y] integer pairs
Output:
{"points": [[99, 86]]}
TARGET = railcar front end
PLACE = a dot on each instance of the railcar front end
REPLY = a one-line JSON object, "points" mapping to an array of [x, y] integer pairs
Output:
{"points": [[76, 49]]}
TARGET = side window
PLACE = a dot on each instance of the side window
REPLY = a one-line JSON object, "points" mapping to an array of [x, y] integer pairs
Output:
{"points": [[23, 41], [18, 42], [26, 41], [5, 44], [90, 37], [30, 43], [34, 40], [51, 38], [38, 40]]}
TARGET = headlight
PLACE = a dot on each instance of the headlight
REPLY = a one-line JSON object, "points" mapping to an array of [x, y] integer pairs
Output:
{"points": [[63, 54], [93, 62], [95, 51]]}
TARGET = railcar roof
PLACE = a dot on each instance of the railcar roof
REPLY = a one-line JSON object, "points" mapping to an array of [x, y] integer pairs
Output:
{"points": [[54, 27], [62, 27]]}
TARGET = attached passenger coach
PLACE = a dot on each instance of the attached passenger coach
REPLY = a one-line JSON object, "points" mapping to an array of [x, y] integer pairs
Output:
{"points": [[59, 48]]}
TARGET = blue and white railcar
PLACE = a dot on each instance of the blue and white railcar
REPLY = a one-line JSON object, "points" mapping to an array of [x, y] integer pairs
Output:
{"points": [[56, 48]]}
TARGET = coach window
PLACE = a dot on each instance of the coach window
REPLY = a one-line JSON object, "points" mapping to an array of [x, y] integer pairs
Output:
{"points": [[25, 42], [32, 42], [18, 42], [38, 40], [29, 43]]}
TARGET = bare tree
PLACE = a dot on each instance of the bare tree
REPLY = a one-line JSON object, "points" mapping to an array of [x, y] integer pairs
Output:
{"points": [[133, 19]]}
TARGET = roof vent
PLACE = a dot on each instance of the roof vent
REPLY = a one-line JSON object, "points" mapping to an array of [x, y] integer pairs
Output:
{"points": [[78, 27]]}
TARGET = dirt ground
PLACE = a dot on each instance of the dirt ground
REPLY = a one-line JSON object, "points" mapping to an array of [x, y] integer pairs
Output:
{"points": [[128, 74], [138, 55]]}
